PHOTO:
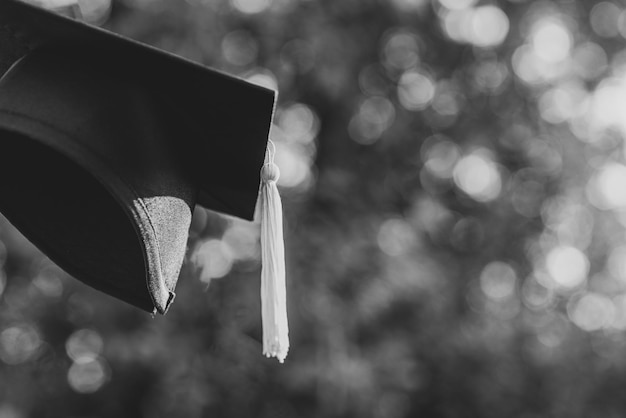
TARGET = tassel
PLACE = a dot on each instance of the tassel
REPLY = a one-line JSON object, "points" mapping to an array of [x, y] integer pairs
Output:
{"points": [[273, 288]]}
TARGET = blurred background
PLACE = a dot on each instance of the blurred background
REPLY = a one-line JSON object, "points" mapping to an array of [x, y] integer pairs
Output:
{"points": [[454, 183]]}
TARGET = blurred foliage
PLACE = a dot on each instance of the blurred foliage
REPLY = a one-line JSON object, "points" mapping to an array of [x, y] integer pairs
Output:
{"points": [[453, 178]]}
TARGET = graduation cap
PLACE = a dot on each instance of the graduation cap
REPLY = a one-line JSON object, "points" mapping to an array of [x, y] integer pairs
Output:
{"points": [[107, 145]]}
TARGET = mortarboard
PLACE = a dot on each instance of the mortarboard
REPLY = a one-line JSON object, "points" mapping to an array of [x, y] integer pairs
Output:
{"points": [[107, 145]]}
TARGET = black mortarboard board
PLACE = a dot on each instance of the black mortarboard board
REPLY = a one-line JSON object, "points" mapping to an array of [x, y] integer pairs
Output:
{"points": [[108, 144]]}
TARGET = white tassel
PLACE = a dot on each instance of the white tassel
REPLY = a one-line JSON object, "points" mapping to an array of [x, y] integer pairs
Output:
{"points": [[273, 289]]}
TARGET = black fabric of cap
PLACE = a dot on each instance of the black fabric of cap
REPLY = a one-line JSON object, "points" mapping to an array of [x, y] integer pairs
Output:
{"points": [[107, 145]]}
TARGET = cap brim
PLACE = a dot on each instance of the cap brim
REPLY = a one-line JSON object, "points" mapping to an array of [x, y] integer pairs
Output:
{"points": [[41, 214]]}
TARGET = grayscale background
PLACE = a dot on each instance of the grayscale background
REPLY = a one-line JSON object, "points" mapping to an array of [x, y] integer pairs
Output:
{"points": [[454, 185]]}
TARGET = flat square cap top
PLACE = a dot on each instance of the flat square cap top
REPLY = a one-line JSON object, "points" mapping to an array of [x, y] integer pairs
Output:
{"points": [[222, 122]]}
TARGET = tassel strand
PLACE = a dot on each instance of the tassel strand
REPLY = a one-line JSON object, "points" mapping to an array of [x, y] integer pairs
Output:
{"points": [[273, 287]]}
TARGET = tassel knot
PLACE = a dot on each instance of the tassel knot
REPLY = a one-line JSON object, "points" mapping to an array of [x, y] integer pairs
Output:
{"points": [[273, 288], [270, 172]]}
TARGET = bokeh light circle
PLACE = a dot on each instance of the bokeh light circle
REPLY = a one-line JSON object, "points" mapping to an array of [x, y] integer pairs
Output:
{"points": [[88, 375], [19, 344], [477, 175], [568, 266]]}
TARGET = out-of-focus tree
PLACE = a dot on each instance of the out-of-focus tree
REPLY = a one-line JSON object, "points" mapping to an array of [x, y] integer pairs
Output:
{"points": [[453, 177]]}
